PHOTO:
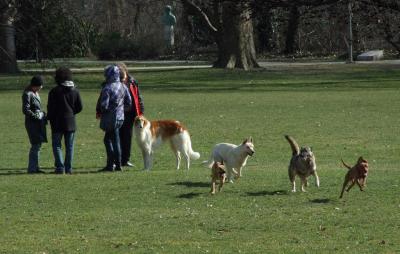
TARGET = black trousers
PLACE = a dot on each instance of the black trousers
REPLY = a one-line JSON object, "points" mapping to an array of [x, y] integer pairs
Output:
{"points": [[125, 136]]}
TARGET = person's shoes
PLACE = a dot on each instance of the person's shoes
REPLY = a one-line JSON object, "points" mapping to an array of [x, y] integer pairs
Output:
{"points": [[118, 168], [58, 172], [127, 164]]}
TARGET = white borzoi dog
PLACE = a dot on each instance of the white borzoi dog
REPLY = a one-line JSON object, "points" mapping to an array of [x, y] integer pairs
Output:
{"points": [[234, 157], [151, 134]]}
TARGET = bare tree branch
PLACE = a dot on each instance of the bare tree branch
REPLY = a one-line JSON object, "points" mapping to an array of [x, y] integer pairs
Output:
{"points": [[195, 8]]}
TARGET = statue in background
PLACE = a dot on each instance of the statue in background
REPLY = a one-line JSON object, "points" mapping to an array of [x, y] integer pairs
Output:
{"points": [[169, 21]]}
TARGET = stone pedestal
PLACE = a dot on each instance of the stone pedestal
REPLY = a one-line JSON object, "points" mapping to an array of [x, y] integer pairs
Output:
{"points": [[372, 55]]}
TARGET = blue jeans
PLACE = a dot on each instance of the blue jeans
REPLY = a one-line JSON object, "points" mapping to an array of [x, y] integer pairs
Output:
{"points": [[33, 164], [59, 163], [113, 146]]}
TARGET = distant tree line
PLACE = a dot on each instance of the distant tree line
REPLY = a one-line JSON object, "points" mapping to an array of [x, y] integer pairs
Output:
{"points": [[235, 32]]}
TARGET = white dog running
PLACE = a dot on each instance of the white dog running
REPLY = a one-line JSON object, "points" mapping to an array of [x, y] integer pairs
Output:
{"points": [[151, 134], [234, 157]]}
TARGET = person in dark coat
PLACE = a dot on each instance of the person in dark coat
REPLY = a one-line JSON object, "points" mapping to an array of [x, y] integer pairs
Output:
{"points": [[64, 102], [35, 122], [136, 109]]}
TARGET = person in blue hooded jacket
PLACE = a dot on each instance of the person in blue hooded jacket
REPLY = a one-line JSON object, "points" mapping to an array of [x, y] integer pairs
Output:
{"points": [[113, 99]]}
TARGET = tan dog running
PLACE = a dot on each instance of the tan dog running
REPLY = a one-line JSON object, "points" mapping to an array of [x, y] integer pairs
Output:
{"points": [[217, 173], [356, 175]]}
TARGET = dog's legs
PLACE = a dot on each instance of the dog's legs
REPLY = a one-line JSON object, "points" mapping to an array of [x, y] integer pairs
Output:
{"points": [[180, 144], [213, 181], [316, 178], [344, 187], [221, 181], [235, 173], [229, 171], [187, 159], [177, 151], [360, 185], [363, 182], [292, 178], [178, 159], [240, 172], [146, 159], [351, 185], [303, 183]]}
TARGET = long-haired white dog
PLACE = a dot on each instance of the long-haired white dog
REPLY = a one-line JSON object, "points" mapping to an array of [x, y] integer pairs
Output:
{"points": [[234, 157], [151, 134]]}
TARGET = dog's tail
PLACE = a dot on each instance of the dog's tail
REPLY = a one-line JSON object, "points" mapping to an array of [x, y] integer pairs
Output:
{"points": [[347, 166], [208, 163], [293, 145], [192, 154]]}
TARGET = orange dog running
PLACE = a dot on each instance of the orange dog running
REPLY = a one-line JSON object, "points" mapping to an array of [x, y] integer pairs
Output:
{"points": [[217, 173], [356, 174]]}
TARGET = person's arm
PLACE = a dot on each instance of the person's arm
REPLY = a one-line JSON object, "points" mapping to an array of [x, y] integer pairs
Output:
{"points": [[127, 98], [50, 106], [78, 103], [104, 100], [140, 97], [26, 108]]}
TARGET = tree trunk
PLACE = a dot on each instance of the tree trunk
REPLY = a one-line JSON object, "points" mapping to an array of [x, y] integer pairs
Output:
{"points": [[265, 31], [8, 59], [235, 41], [292, 30]]}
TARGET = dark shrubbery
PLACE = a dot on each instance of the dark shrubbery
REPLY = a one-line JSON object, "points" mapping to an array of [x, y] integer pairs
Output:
{"points": [[114, 46]]}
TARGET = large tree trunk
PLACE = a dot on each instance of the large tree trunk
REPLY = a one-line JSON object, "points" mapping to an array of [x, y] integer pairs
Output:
{"points": [[235, 40], [265, 31], [8, 59]]}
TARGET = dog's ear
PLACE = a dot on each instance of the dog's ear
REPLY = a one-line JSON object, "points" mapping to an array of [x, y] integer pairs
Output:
{"points": [[251, 139], [311, 148], [245, 141]]}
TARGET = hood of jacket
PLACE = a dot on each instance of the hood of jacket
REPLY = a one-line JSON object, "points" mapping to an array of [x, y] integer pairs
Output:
{"points": [[68, 83], [111, 73]]}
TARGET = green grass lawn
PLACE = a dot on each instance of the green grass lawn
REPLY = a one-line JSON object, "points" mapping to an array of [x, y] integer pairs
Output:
{"points": [[341, 111]]}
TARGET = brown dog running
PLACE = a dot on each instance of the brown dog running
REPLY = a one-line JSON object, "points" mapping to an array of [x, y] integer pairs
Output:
{"points": [[356, 174], [217, 173]]}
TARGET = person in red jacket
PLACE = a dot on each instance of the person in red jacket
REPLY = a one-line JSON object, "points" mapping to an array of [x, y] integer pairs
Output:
{"points": [[130, 113]]}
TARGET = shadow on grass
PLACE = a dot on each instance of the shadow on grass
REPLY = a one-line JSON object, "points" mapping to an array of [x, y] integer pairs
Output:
{"points": [[21, 171], [267, 193], [12, 171], [321, 200], [47, 171], [189, 195], [191, 184]]}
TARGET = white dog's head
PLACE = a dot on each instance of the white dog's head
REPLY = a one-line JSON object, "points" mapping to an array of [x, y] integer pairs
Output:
{"points": [[140, 122], [248, 146]]}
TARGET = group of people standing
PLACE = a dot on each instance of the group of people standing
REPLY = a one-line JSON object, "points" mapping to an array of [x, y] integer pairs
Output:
{"points": [[118, 105]]}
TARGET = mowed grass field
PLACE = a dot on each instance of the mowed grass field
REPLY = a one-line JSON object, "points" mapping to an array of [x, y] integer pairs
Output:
{"points": [[342, 111]]}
